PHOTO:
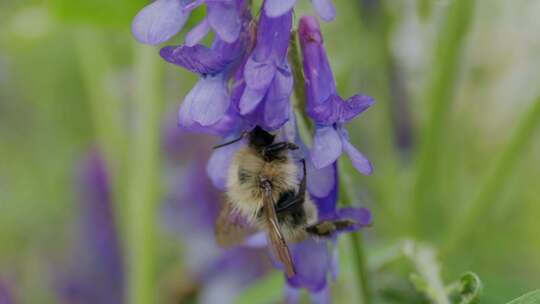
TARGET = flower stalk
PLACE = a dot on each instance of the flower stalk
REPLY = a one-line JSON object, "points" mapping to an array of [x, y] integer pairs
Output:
{"points": [[104, 102], [347, 198], [142, 191], [343, 175]]}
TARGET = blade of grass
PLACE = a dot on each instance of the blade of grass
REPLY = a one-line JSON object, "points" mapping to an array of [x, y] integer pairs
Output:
{"points": [[502, 170], [438, 96]]}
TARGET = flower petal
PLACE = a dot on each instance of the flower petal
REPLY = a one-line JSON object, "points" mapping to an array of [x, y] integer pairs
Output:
{"points": [[230, 122], [219, 162], [362, 216], [359, 161], [325, 9], [258, 75], [250, 99], [257, 240], [197, 33], [224, 18], [321, 297], [159, 21], [320, 181], [326, 147], [292, 295], [276, 8], [326, 206], [320, 83], [336, 110], [312, 263], [335, 260], [282, 85], [276, 112], [273, 38], [210, 100], [190, 6], [184, 114], [198, 59], [354, 106], [5, 293]]}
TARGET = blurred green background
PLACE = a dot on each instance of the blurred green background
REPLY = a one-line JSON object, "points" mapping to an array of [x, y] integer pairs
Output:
{"points": [[452, 137]]}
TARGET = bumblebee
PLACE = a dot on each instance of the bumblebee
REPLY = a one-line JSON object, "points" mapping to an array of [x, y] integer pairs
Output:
{"points": [[265, 192]]}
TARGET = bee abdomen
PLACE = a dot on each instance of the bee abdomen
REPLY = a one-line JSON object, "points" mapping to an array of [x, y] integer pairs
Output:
{"points": [[294, 214]]}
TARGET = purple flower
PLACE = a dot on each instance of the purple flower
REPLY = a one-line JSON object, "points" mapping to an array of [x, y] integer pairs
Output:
{"points": [[207, 107], [329, 111], [314, 260], [219, 162], [160, 20], [276, 8], [96, 272], [5, 294], [264, 88], [321, 181]]}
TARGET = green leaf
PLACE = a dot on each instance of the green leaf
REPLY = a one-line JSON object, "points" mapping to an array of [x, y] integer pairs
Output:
{"points": [[471, 288], [532, 297]]}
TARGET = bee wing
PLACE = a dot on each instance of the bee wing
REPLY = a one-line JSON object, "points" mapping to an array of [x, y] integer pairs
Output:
{"points": [[230, 229], [277, 241]]}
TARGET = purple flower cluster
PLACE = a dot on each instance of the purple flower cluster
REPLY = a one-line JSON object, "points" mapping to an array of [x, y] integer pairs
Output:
{"points": [[247, 81], [5, 295], [95, 273], [162, 19], [315, 260]]}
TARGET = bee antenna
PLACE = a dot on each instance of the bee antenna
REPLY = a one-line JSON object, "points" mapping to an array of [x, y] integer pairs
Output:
{"points": [[230, 142]]}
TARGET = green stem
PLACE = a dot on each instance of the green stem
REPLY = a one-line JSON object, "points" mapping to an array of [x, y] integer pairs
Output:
{"points": [[299, 81], [104, 103], [439, 95], [496, 180], [346, 197], [142, 191]]}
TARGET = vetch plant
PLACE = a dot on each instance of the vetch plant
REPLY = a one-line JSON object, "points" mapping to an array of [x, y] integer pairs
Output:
{"points": [[246, 80]]}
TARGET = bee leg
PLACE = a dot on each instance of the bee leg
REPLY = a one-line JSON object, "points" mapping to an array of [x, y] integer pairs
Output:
{"points": [[328, 228], [273, 151]]}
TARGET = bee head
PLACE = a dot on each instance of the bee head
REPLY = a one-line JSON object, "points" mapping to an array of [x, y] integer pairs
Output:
{"points": [[259, 138]]}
